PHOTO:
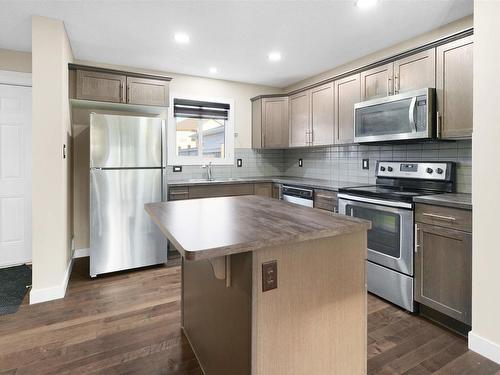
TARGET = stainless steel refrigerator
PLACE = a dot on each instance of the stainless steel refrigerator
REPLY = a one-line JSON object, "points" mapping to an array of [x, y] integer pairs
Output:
{"points": [[126, 159]]}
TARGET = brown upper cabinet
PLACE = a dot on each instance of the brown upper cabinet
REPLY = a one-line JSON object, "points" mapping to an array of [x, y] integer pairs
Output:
{"points": [[270, 122], [147, 91], [409, 73], [105, 85], [300, 119], [322, 115], [454, 89], [311, 117], [415, 71], [377, 82], [347, 93]]}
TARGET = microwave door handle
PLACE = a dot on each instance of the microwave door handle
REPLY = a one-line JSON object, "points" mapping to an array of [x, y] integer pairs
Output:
{"points": [[411, 113]]}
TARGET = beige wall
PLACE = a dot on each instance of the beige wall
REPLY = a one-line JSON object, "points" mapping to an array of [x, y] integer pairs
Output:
{"points": [[16, 61], [52, 208], [486, 180], [443, 31]]}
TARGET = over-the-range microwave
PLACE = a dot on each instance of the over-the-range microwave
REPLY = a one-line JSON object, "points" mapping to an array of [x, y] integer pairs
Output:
{"points": [[406, 116]]}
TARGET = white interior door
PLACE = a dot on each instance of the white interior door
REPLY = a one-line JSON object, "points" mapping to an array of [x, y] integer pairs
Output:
{"points": [[15, 175]]}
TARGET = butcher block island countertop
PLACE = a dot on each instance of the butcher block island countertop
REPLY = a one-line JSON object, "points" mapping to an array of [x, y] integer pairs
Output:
{"points": [[269, 287]]}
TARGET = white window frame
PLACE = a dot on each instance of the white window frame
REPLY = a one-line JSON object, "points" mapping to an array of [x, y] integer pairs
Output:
{"points": [[174, 159]]}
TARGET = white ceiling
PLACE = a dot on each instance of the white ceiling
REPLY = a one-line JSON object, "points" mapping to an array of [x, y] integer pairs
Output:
{"points": [[235, 36]]}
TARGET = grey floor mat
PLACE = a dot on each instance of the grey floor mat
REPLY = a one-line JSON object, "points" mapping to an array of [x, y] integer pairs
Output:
{"points": [[13, 282]]}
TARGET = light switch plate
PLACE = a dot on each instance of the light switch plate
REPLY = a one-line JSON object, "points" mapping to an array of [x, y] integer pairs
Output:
{"points": [[269, 275], [366, 164], [239, 163], [177, 168], [301, 164]]}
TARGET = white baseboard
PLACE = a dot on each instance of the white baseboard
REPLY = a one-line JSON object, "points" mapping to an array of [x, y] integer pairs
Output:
{"points": [[56, 292], [81, 253], [485, 347]]}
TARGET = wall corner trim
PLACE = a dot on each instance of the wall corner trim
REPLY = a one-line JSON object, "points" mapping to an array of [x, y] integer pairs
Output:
{"points": [[56, 292], [485, 347]]}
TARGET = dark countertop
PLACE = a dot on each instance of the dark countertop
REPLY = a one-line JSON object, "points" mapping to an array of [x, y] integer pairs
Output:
{"points": [[300, 181], [213, 227], [454, 200]]}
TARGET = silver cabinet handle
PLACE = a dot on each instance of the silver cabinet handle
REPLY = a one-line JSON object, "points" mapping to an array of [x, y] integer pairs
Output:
{"points": [[417, 230], [311, 137], [396, 85], [178, 192], [389, 91], [440, 217]]}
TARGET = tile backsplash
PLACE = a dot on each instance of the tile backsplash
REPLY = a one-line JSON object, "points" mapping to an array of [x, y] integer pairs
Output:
{"points": [[337, 163], [344, 163], [256, 163]]}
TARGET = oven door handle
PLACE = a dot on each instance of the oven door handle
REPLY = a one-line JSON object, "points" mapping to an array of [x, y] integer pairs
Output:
{"points": [[371, 201]]}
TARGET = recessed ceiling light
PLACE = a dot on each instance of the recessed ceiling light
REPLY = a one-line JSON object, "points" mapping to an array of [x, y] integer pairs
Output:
{"points": [[213, 70], [274, 56], [365, 4], [181, 38]]}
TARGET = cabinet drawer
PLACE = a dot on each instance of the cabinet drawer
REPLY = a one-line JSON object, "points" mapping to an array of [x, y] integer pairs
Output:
{"points": [[325, 200], [207, 191], [444, 216], [178, 193]]}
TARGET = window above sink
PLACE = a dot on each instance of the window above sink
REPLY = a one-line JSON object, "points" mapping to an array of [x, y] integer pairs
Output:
{"points": [[200, 130]]}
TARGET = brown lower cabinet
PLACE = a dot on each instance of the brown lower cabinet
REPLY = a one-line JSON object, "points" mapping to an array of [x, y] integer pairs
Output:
{"points": [[443, 267], [264, 189], [325, 200]]}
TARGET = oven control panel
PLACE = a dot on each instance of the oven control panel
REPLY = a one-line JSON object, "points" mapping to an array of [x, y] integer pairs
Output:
{"points": [[439, 171]]}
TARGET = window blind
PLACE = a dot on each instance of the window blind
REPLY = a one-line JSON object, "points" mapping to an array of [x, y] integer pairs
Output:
{"points": [[200, 109]]}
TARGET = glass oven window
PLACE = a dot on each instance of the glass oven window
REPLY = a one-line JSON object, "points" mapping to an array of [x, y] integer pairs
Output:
{"points": [[384, 119], [384, 237]]}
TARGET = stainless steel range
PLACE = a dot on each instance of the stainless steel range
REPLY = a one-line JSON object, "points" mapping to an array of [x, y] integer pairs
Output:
{"points": [[389, 206]]}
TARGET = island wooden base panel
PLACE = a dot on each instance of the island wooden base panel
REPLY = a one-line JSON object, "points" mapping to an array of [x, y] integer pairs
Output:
{"points": [[129, 323]]}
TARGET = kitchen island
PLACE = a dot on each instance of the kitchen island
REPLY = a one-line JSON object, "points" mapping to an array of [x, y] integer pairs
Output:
{"points": [[268, 287]]}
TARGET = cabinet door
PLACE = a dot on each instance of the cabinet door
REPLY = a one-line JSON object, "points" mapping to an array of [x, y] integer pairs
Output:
{"points": [[415, 72], [147, 91], [257, 123], [443, 270], [347, 93], [325, 200], [322, 118], [377, 82], [275, 122], [103, 87], [264, 189], [300, 119], [454, 88]]}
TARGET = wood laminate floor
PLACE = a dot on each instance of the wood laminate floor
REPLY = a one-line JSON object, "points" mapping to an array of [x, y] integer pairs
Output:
{"points": [[128, 323]]}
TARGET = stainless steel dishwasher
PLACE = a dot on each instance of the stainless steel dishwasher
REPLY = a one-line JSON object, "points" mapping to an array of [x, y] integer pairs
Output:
{"points": [[298, 195]]}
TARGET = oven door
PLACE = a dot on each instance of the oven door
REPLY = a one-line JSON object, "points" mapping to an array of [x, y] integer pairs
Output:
{"points": [[390, 240]]}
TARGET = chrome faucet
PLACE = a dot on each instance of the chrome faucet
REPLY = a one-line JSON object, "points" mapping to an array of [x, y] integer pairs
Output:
{"points": [[208, 167]]}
